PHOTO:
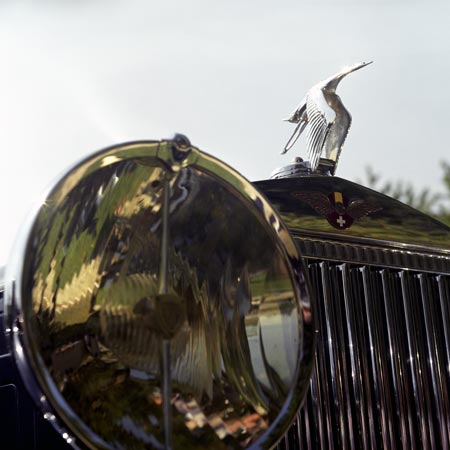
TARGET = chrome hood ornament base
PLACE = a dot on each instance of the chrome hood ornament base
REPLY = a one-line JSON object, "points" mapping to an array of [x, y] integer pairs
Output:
{"points": [[300, 168], [326, 121]]}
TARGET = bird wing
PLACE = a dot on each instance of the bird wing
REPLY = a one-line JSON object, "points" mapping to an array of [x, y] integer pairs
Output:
{"points": [[318, 201], [295, 135], [361, 208], [316, 133], [298, 116]]}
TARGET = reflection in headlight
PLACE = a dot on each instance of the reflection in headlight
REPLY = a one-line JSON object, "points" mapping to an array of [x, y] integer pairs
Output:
{"points": [[97, 317]]}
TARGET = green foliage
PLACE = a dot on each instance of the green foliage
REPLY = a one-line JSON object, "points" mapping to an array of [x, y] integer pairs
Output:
{"points": [[434, 204]]}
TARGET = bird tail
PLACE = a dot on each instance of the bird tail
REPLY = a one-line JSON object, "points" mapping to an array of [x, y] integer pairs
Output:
{"points": [[295, 135]]}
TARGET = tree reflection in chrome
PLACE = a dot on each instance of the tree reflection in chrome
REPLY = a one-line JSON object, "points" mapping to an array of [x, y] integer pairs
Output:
{"points": [[231, 315]]}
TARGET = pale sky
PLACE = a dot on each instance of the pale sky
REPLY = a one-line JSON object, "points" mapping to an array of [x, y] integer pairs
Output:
{"points": [[79, 75]]}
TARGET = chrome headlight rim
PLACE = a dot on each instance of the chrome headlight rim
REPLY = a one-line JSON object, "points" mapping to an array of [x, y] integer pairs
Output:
{"points": [[172, 155]]}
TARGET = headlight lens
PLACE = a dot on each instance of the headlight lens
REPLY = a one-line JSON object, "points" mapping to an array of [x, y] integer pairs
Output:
{"points": [[162, 301]]}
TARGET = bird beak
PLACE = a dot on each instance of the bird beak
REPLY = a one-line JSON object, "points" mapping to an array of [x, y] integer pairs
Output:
{"points": [[358, 66], [349, 69]]}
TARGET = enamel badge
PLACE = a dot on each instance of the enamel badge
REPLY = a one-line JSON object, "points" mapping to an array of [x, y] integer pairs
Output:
{"points": [[339, 211]]}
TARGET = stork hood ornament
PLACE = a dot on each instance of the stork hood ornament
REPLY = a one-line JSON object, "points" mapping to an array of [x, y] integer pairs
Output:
{"points": [[326, 121]]}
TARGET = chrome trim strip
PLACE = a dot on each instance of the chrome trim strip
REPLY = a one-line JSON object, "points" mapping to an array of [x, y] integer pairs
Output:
{"points": [[373, 255], [369, 242]]}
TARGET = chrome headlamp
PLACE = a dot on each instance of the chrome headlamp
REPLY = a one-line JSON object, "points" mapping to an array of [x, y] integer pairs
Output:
{"points": [[158, 301]]}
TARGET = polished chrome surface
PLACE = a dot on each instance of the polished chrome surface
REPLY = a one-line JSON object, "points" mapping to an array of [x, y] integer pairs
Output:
{"points": [[389, 223], [300, 168], [297, 168], [382, 373], [325, 119], [315, 248], [159, 301]]}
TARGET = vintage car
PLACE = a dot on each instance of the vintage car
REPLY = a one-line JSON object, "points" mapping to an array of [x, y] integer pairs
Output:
{"points": [[157, 299]]}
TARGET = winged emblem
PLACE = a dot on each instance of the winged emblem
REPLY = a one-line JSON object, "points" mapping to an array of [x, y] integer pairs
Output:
{"points": [[337, 209]]}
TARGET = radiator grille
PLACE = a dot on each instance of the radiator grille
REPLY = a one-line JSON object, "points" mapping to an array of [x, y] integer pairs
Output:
{"points": [[382, 371]]}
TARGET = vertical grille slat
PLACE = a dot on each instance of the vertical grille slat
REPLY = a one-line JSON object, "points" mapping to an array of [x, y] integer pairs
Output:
{"points": [[322, 407], [382, 374], [379, 357], [354, 324], [436, 357], [398, 359], [316, 439], [367, 410], [337, 358], [417, 357], [444, 300]]}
